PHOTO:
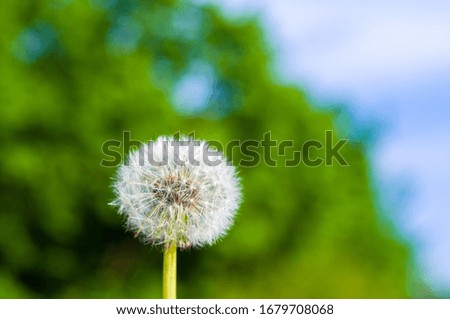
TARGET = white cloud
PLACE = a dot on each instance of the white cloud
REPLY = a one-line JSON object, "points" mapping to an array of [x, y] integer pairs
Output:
{"points": [[347, 45]]}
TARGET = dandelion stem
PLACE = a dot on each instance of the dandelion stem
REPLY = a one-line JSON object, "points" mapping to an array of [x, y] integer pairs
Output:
{"points": [[170, 272]]}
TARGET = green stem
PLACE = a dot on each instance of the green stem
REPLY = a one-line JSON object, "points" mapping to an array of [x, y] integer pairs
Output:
{"points": [[170, 272]]}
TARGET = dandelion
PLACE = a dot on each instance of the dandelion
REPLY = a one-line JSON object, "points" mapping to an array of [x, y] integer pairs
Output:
{"points": [[177, 193]]}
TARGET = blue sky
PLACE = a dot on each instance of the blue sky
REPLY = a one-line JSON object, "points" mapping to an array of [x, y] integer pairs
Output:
{"points": [[388, 61]]}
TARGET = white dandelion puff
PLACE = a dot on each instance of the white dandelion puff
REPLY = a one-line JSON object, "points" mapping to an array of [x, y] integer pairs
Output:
{"points": [[177, 191]]}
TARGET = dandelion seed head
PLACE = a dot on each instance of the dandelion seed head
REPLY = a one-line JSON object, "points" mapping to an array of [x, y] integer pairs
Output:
{"points": [[180, 191]]}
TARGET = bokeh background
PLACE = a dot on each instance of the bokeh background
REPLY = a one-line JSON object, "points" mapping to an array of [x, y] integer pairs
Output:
{"points": [[76, 73]]}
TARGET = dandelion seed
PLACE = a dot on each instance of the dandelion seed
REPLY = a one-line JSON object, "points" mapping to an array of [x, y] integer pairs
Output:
{"points": [[189, 204]]}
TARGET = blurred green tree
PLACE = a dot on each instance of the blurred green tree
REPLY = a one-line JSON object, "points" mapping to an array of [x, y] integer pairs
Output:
{"points": [[75, 74]]}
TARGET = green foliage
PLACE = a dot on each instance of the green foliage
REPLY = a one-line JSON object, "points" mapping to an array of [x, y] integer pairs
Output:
{"points": [[75, 74]]}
